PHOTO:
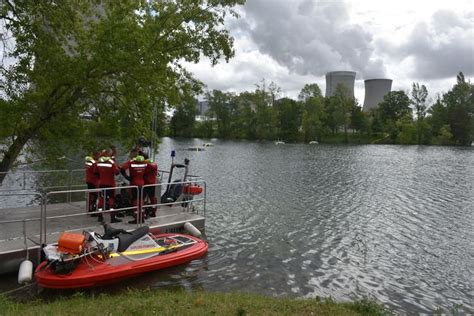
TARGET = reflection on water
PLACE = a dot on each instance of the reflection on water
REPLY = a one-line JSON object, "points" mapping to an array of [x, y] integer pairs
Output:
{"points": [[392, 223]]}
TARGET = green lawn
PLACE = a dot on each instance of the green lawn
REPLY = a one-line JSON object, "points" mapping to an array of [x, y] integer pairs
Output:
{"points": [[161, 302]]}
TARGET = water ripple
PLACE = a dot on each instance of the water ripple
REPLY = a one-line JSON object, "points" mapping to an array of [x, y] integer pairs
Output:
{"points": [[394, 223]]}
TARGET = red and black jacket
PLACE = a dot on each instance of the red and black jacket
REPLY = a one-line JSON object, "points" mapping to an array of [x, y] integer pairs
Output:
{"points": [[106, 170]]}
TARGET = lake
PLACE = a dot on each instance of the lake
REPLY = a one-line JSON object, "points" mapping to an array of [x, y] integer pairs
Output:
{"points": [[392, 223]]}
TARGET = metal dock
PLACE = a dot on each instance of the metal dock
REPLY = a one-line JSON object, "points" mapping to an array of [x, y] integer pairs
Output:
{"points": [[59, 211]]}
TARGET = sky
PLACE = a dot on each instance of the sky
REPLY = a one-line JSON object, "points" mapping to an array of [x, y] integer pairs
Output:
{"points": [[295, 42]]}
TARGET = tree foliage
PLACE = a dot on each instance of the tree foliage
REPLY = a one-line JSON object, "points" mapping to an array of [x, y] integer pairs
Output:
{"points": [[314, 113], [459, 102], [394, 107], [110, 61], [419, 96], [257, 115]]}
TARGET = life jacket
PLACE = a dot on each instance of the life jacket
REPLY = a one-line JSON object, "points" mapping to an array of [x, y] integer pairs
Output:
{"points": [[151, 172], [107, 170], [136, 170], [91, 176]]}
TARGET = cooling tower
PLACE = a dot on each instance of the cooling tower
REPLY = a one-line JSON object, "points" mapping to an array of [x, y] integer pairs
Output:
{"points": [[375, 90], [334, 78]]}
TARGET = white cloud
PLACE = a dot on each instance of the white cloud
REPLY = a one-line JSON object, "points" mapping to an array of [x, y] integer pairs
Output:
{"points": [[295, 42]]}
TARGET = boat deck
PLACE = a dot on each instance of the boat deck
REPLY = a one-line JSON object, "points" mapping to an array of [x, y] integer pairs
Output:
{"points": [[12, 241]]}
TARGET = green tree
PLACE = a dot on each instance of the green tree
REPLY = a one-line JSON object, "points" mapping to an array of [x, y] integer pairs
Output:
{"points": [[313, 118], [274, 91], [113, 61], [343, 107], [314, 115], [289, 115], [444, 137], [331, 109], [219, 108], [265, 118], [247, 119], [459, 103], [437, 117], [394, 107], [418, 99], [407, 131], [184, 118], [311, 90], [204, 129], [359, 119]]}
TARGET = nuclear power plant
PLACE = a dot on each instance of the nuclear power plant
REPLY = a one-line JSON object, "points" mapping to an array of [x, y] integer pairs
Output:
{"points": [[346, 78], [375, 90]]}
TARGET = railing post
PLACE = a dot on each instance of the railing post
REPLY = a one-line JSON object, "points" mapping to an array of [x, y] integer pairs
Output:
{"points": [[44, 216], [205, 197], [41, 227]]}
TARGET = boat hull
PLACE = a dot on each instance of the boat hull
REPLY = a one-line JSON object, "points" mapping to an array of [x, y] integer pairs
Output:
{"points": [[98, 273]]}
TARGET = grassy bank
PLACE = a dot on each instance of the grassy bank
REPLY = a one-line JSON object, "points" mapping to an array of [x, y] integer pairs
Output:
{"points": [[162, 302]]}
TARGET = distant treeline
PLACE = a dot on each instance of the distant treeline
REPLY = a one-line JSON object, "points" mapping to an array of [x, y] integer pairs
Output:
{"points": [[398, 119]]}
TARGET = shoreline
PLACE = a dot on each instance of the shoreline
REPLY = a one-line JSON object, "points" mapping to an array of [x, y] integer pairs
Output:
{"points": [[329, 140], [181, 302]]}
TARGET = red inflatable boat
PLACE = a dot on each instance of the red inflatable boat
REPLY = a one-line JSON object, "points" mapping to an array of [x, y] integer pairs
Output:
{"points": [[89, 259]]}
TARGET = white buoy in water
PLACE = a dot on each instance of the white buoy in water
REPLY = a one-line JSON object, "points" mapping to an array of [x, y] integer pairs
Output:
{"points": [[25, 273], [190, 228]]}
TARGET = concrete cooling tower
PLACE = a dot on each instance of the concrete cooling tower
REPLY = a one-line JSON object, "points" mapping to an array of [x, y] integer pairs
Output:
{"points": [[375, 90], [333, 78]]}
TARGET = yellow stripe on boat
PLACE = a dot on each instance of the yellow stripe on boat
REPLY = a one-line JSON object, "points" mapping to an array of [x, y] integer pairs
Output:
{"points": [[144, 251]]}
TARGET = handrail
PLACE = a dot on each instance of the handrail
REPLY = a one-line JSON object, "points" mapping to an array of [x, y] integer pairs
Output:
{"points": [[181, 201], [24, 173], [45, 197], [40, 197], [69, 173], [99, 190]]}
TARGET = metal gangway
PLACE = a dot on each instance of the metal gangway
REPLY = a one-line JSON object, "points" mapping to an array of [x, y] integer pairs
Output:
{"points": [[50, 210]]}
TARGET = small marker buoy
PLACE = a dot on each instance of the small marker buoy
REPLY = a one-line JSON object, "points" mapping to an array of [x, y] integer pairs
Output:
{"points": [[190, 228], [25, 273]]}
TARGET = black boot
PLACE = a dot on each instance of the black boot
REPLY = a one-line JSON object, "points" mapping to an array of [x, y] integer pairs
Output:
{"points": [[115, 220], [135, 221]]}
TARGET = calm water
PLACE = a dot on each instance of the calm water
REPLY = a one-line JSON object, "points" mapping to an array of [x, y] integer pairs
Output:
{"points": [[391, 223]]}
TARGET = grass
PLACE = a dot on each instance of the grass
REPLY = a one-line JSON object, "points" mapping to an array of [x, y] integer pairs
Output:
{"points": [[166, 302]]}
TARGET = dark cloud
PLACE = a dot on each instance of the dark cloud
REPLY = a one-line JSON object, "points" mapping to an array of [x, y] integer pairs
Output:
{"points": [[311, 37], [440, 48]]}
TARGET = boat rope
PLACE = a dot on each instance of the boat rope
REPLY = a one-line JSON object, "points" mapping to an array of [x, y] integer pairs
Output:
{"points": [[17, 289]]}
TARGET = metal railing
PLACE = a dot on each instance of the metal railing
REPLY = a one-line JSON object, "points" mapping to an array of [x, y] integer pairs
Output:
{"points": [[23, 178], [25, 236], [186, 201]]}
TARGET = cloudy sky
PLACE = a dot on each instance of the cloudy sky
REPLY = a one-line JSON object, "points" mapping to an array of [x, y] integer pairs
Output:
{"points": [[294, 42]]}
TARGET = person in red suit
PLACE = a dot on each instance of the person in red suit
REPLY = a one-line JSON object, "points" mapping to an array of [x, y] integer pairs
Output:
{"points": [[107, 169], [151, 173], [92, 180], [136, 169]]}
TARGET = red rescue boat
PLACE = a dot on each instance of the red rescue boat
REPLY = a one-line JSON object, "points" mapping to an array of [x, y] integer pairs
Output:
{"points": [[95, 260]]}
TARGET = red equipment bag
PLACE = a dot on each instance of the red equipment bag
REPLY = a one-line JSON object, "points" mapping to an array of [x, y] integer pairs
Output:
{"points": [[71, 242], [192, 189]]}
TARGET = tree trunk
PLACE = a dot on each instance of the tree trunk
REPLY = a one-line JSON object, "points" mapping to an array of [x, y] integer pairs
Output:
{"points": [[346, 139], [25, 135], [12, 153]]}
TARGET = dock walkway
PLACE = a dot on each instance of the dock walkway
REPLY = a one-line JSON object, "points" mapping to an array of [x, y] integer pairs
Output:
{"points": [[19, 222]]}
